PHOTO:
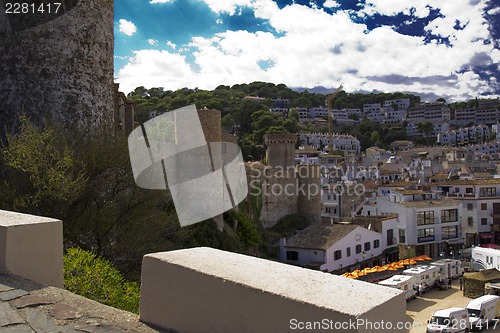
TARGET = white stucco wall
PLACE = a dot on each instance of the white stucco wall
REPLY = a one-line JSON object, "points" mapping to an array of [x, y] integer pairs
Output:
{"points": [[357, 236], [32, 247], [207, 290]]}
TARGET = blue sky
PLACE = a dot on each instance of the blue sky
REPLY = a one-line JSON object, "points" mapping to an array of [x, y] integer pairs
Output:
{"points": [[435, 48]]}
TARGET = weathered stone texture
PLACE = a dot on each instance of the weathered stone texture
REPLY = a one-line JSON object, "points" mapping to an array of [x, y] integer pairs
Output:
{"points": [[58, 67]]}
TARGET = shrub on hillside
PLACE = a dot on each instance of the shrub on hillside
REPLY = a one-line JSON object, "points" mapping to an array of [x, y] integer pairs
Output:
{"points": [[95, 278]]}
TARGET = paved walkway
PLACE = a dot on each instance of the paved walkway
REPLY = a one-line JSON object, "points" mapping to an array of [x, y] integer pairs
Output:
{"points": [[421, 309], [26, 307]]}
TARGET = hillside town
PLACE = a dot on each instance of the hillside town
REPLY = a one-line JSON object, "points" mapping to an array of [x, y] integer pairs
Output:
{"points": [[409, 199]]}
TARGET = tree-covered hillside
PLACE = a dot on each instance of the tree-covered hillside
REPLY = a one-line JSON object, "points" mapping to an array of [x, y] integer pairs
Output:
{"points": [[250, 120]]}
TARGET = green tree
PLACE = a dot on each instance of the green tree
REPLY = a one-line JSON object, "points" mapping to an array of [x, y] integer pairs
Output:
{"points": [[293, 114], [227, 122], [87, 183], [302, 102], [354, 116], [426, 128], [375, 138]]}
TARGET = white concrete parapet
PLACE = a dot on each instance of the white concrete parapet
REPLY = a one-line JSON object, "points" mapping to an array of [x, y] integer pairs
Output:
{"points": [[32, 247], [208, 290]]}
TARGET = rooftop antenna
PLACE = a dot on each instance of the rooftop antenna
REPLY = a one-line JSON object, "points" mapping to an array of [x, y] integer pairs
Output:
{"points": [[329, 101]]}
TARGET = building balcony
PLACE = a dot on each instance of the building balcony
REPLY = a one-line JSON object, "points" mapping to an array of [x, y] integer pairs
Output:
{"points": [[460, 195]]}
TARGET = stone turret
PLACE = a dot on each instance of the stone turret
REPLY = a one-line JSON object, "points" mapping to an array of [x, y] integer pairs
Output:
{"points": [[280, 149]]}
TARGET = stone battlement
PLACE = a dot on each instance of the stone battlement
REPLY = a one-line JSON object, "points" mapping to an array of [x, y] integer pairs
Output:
{"points": [[280, 137]]}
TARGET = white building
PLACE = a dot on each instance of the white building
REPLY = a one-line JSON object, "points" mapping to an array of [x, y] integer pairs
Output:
{"points": [[330, 201], [345, 142], [330, 247], [401, 104], [318, 112], [433, 112], [282, 111], [412, 128], [463, 136], [426, 224], [303, 114], [486, 112], [480, 203]]}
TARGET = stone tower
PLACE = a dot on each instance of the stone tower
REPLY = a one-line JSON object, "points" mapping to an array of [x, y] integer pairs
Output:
{"points": [[280, 149], [309, 200], [57, 65]]}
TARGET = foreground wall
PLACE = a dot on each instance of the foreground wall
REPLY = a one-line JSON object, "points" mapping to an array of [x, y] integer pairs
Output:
{"points": [[208, 290], [32, 247]]}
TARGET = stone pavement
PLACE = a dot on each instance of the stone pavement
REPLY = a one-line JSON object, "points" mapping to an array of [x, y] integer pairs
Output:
{"points": [[26, 307], [421, 309]]}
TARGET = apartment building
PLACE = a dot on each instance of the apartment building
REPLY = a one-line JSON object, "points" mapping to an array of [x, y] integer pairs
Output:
{"points": [[330, 201], [480, 203], [485, 112], [432, 112], [318, 112], [345, 142], [282, 111], [463, 136], [400, 104], [412, 128], [426, 224], [303, 114]]}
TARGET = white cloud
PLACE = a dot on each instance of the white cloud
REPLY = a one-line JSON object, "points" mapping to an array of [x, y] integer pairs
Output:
{"points": [[126, 27], [160, 1], [219, 21], [171, 44], [302, 55], [226, 6], [331, 4], [155, 68], [153, 42]]}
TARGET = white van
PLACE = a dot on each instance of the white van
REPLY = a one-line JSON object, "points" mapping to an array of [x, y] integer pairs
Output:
{"points": [[482, 311], [405, 283], [449, 320]]}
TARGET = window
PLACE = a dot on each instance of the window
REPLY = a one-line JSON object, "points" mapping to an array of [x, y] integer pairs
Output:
{"points": [[449, 232], [390, 237], [484, 221], [367, 246], [487, 191], [358, 248], [484, 206], [426, 217], [425, 232], [402, 236], [348, 252], [469, 190], [470, 206], [337, 255], [376, 244], [449, 215], [470, 221], [292, 255]]}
